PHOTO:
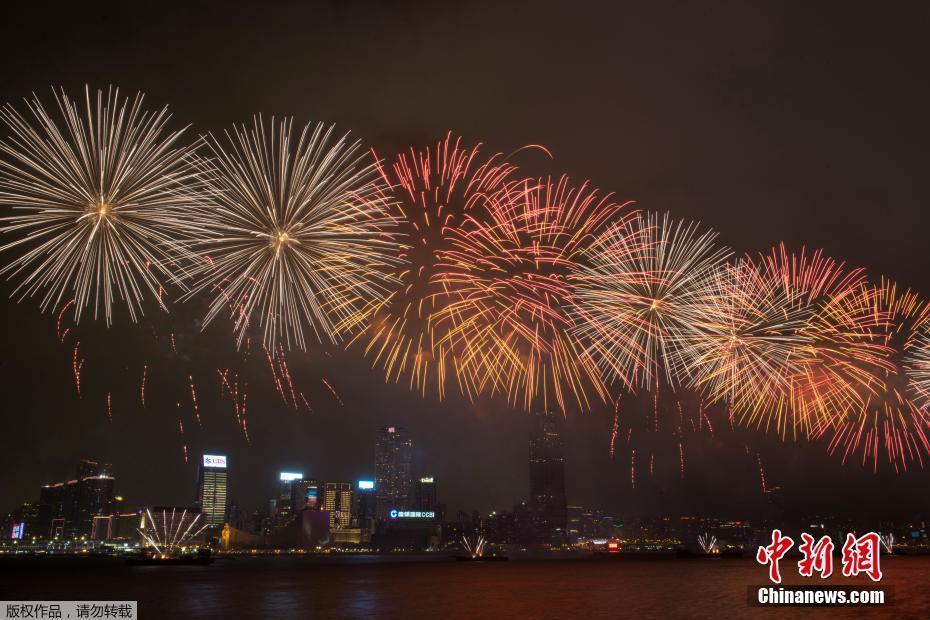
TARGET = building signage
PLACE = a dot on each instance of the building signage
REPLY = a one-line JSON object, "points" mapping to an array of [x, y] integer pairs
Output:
{"points": [[288, 476], [412, 514], [214, 460]]}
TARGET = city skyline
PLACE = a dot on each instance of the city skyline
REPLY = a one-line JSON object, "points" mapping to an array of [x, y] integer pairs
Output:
{"points": [[754, 200]]}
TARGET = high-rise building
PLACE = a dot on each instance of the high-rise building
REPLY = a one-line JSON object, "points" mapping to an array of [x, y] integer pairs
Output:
{"points": [[364, 510], [426, 497], [393, 470], [337, 498], [547, 480], [286, 505], [305, 494], [211, 489], [95, 499], [73, 504]]}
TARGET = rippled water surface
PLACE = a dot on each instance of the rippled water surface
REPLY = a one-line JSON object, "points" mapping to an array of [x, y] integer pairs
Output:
{"points": [[431, 587]]}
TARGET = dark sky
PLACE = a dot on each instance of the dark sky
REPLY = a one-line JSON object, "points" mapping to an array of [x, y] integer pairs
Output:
{"points": [[803, 122]]}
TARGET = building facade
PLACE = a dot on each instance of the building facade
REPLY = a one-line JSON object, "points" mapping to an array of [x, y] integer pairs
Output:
{"points": [[212, 487], [548, 506], [393, 470]]}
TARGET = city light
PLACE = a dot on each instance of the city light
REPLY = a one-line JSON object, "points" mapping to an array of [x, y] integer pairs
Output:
{"points": [[366, 485], [288, 476]]}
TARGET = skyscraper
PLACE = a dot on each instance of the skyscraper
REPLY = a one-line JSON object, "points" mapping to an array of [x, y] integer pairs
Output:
{"points": [[426, 497], [393, 469], [211, 489], [547, 480], [287, 505], [337, 498], [364, 510]]}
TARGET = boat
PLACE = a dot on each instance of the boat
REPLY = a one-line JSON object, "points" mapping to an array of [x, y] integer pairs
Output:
{"points": [[729, 553], [201, 558]]}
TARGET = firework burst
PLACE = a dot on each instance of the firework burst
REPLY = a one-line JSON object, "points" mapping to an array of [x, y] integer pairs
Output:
{"points": [[508, 289], [888, 337], [100, 202], [917, 366], [819, 379], [742, 341], [299, 233], [433, 190], [637, 293]]}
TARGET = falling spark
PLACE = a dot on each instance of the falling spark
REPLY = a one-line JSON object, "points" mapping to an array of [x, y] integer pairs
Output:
{"points": [[616, 429], [76, 366], [335, 395], [145, 369], [681, 460], [190, 380], [109, 407], [633, 469], [761, 472]]}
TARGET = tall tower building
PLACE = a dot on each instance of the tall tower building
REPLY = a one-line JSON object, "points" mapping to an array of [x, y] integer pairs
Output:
{"points": [[426, 497], [337, 500], [393, 469], [547, 480], [287, 505], [211, 489]]}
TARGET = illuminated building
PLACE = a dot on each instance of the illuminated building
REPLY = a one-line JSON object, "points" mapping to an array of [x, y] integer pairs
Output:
{"points": [[305, 494], [426, 498], [95, 499], [547, 480], [102, 528], [73, 505], [287, 502], [364, 510], [211, 489], [393, 469], [338, 502]]}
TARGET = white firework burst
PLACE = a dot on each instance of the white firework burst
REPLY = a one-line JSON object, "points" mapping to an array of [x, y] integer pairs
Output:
{"points": [[744, 336], [299, 233], [637, 292], [917, 368], [97, 202], [170, 532]]}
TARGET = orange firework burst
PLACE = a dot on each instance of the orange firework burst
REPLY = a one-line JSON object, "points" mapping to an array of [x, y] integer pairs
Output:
{"points": [[434, 189], [508, 287], [880, 353]]}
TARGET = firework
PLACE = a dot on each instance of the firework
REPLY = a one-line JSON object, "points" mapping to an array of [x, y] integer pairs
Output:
{"points": [[886, 418], [887, 542], [299, 233], [820, 381], [100, 201], [508, 291], [744, 336], [171, 533], [475, 546], [637, 293], [434, 189], [917, 367], [708, 543]]}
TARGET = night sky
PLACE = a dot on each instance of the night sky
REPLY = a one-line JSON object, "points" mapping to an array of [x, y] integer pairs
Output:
{"points": [[784, 121]]}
